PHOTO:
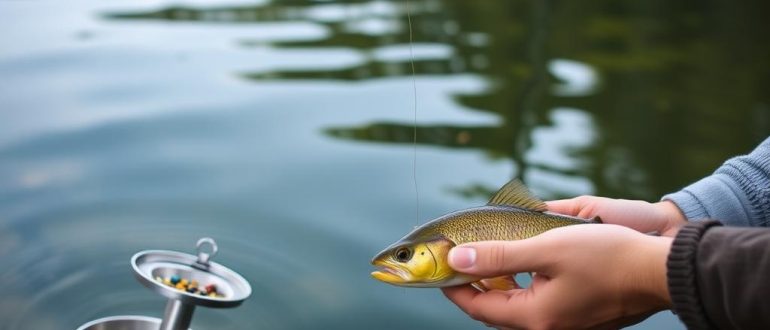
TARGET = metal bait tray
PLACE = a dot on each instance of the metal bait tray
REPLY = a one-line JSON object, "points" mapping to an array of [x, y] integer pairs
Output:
{"points": [[149, 265]]}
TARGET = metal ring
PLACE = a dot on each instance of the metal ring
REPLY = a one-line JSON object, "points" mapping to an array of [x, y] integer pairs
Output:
{"points": [[203, 257]]}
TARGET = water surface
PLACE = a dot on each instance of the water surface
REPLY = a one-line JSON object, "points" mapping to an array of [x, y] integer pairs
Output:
{"points": [[283, 130]]}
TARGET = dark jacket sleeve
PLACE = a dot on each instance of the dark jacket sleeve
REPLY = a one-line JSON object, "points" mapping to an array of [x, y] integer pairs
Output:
{"points": [[719, 277]]}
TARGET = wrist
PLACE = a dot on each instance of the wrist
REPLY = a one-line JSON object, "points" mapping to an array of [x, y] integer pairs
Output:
{"points": [[649, 287], [674, 218], [660, 248]]}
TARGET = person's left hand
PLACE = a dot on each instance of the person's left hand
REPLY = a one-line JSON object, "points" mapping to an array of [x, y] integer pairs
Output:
{"points": [[587, 276]]}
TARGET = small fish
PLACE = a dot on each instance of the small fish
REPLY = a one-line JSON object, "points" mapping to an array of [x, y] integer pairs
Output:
{"points": [[419, 259]]}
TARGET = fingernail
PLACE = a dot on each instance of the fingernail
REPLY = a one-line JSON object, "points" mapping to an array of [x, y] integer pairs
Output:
{"points": [[462, 257]]}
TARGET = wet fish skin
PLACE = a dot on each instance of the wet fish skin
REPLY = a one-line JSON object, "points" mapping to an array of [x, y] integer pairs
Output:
{"points": [[419, 259], [488, 223]]}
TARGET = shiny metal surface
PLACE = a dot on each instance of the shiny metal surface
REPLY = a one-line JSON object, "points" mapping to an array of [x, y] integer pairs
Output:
{"points": [[150, 264], [203, 257], [177, 316], [123, 322]]}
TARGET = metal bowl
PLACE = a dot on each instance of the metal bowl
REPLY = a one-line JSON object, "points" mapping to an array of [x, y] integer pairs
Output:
{"points": [[123, 322]]}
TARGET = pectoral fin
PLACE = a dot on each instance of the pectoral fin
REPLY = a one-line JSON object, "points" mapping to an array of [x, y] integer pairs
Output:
{"points": [[479, 286], [503, 283]]}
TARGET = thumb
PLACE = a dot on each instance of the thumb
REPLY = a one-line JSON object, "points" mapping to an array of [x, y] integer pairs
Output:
{"points": [[497, 258]]}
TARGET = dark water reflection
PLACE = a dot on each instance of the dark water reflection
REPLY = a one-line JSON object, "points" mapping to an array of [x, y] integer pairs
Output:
{"points": [[687, 73], [283, 129]]}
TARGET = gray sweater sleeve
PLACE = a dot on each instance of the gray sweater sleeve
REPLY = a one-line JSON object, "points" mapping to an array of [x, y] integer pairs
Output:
{"points": [[737, 194]]}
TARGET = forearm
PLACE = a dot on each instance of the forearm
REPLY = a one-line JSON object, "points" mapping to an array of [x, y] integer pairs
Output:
{"points": [[734, 194], [718, 276]]}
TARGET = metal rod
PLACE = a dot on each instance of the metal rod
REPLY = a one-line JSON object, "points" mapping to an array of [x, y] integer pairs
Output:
{"points": [[178, 315]]}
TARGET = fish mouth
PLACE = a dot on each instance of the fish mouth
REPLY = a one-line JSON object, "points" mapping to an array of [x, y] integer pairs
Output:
{"points": [[389, 273]]}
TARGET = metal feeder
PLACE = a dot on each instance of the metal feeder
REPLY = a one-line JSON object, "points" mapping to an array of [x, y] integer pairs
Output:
{"points": [[150, 264]]}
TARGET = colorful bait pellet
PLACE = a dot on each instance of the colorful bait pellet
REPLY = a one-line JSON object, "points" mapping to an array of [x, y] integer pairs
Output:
{"points": [[190, 286]]}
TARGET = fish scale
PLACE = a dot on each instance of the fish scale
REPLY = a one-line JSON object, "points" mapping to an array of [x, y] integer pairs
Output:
{"points": [[419, 259], [490, 223]]}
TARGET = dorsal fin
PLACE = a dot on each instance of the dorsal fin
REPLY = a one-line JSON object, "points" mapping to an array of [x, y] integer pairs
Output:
{"points": [[514, 193]]}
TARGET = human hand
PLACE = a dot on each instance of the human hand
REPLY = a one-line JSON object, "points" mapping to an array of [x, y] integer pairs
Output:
{"points": [[662, 217], [587, 276]]}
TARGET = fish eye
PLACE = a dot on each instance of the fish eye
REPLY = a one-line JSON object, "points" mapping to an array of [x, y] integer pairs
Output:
{"points": [[403, 254]]}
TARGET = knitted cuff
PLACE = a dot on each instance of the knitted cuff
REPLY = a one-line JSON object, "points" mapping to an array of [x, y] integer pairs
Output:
{"points": [[718, 197], [682, 283]]}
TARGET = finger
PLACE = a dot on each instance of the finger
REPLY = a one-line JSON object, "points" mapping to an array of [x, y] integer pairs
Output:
{"points": [[586, 207], [498, 327], [496, 258], [564, 206], [494, 307]]}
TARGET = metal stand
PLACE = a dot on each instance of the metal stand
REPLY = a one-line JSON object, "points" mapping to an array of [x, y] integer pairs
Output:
{"points": [[178, 315], [232, 289]]}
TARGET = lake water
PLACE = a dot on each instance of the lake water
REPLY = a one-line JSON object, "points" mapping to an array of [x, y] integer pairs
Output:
{"points": [[283, 130]]}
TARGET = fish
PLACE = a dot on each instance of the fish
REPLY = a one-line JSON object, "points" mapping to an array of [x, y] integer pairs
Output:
{"points": [[419, 259]]}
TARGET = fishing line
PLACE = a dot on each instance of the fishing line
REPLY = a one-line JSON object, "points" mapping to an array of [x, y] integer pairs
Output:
{"points": [[414, 132]]}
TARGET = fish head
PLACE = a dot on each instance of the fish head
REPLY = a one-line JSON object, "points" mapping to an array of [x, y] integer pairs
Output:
{"points": [[416, 264]]}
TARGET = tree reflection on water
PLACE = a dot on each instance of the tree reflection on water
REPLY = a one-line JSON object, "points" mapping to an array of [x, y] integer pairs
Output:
{"points": [[677, 86]]}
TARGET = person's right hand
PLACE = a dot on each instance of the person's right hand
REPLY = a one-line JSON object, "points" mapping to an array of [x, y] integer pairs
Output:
{"points": [[586, 277], [664, 217]]}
